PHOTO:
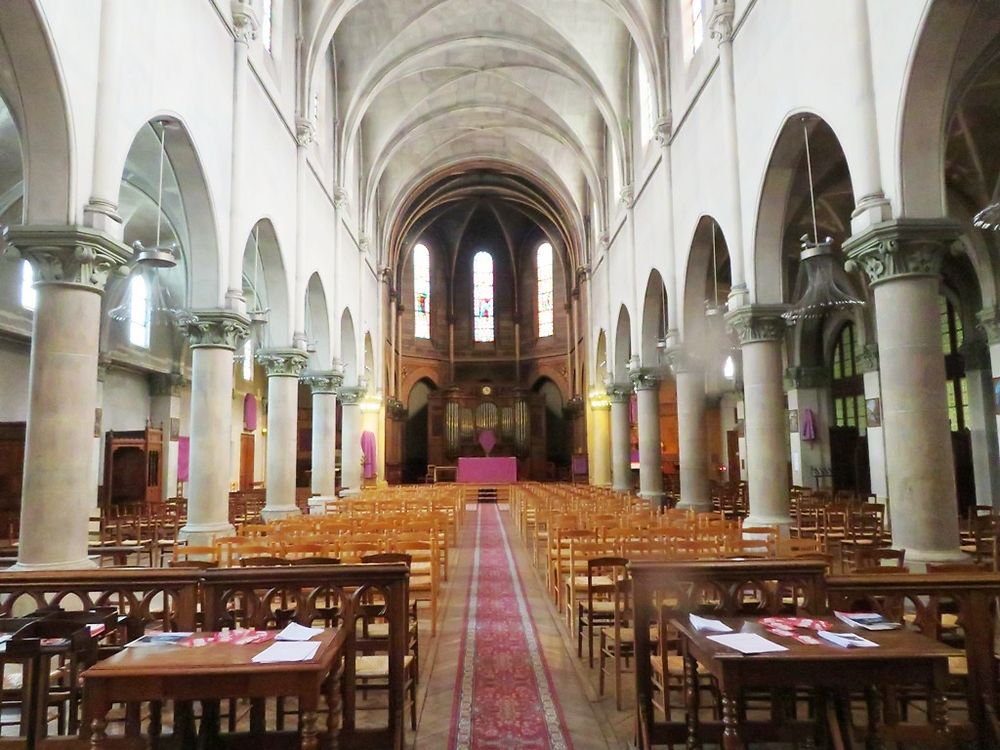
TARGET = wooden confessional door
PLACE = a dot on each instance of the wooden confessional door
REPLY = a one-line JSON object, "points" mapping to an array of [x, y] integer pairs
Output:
{"points": [[246, 460]]}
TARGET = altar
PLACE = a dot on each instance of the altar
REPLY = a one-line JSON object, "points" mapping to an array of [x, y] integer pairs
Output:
{"points": [[487, 470]]}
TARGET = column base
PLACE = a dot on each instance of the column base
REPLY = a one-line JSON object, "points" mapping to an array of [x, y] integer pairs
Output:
{"points": [[934, 556], [24, 567], [317, 504], [204, 534], [620, 488], [348, 492], [699, 506], [267, 515], [782, 522]]}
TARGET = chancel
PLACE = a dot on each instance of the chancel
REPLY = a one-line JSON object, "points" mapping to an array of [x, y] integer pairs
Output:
{"points": [[464, 373]]}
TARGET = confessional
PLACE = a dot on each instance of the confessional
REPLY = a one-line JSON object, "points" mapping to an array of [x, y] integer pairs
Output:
{"points": [[133, 467]]}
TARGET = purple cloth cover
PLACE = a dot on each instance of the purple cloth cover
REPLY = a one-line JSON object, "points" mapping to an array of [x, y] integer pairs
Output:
{"points": [[580, 466], [183, 458], [807, 430], [368, 451], [500, 470], [249, 412], [487, 441]]}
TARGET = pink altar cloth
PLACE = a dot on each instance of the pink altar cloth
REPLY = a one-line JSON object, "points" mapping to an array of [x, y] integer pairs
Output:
{"points": [[500, 470]]}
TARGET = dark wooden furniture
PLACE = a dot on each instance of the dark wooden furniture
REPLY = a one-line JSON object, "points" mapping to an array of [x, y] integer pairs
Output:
{"points": [[719, 588], [133, 467], [11, 465], [903, 659], [214, 672]]}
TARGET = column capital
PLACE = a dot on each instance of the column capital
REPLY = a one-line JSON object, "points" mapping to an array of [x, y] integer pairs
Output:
{"points": [[720, 22], [627, 196], [396, 409], [806, 377], [751, 324], [341, 198], [644, 378], [305, 131], [217, 329], [245, 23], [71, 256], [682, 360], [901, 248], [324, 382], [868, 358], [352, 395], [663, 129], [975, 353], [282, 363], [166, 384], [989, 323], [618, 393]]}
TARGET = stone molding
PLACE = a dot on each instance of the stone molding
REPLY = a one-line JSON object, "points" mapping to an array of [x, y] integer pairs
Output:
{"points": [[753, 324], [806, 377], [217, 329], [644, 378], [282, 363], [720, 23], [868, 358], [352, 395], [619, 393], [245, 23], [166, 384], [902, 248], [324, 382], [989, 323], [70, 256]]}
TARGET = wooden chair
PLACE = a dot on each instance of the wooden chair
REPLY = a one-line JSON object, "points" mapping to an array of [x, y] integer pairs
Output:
{"points": [[263, 561], [597, 609], [617, 641], [185, 552], [877, 558]]}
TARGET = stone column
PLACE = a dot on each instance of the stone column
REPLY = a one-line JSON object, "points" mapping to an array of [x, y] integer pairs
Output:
{"points": [[600, 439], [213, 335], [324, 387], [689, 374], [982, 418], [71, 267], [165, 405], [350, 440], [283, 367], [760, 330], [989, 322], [902, 259], [647, 389], [621, 463]]}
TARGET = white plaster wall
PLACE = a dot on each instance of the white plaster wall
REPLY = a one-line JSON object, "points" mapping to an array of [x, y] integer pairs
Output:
{"points": [[126, 401]]}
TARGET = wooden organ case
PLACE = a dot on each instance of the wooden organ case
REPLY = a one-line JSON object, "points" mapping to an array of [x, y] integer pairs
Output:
{"points": [[457, 417]]}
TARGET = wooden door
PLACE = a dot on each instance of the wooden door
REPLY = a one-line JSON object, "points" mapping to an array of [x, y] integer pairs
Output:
{"points": [[246, 460], [733, 454]]}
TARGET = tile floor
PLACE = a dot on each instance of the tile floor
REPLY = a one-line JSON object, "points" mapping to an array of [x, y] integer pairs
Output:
{"points": [[593, 722]]}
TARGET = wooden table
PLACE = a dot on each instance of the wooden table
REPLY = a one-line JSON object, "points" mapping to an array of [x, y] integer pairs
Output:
{"points": [[903, 658], [212, 673]]}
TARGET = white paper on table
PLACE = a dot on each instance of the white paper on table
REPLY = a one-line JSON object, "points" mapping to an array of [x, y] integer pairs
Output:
{"points": [[707, 623], [295, 632], [287, 651], [747, 643], [846, 640]]}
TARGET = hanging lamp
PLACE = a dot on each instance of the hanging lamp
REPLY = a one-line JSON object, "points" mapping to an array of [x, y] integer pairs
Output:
{"points": [[988, 218], [147, 262], [713, 309], [822, 285]]}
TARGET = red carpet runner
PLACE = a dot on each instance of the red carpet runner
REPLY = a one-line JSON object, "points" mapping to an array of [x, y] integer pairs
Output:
{"points": [[504, 696]]}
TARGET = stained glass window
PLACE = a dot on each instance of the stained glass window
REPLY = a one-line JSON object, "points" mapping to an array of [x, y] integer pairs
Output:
{"points": [[697, 24], [29, 295], [138, 322], [543, 260], [952, 337], [421, 292], [482, 296], [266, 23], [847, 387]]}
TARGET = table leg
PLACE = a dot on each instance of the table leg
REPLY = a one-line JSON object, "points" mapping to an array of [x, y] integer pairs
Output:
{"points": [[937, 708], [692, 700], [332, 696], [309, 735], [731, 739], [98, 730], [873, 698], [155, 723]]}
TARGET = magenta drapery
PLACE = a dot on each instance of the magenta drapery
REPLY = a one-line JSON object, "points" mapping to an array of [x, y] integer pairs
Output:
{"points": [[368, 452], [807, 430], [487, 441], [183, 458], [249, 412]]}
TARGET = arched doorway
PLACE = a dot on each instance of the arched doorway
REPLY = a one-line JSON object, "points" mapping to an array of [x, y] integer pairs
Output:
{"points": [[415, 449], [848, 420]]}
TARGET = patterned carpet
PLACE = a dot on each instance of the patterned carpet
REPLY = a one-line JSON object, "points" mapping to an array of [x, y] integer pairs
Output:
{"points": [[504, 696]]}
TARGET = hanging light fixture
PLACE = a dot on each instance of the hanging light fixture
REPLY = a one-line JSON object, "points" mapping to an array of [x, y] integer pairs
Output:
{"points": [[822, 285], [713, 309], [147, 262], [988, 218]]}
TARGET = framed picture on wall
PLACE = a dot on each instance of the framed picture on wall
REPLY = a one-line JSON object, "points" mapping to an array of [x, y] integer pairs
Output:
{"points": [[175, 428], [793, 420], [873, 412], [98, 414]]}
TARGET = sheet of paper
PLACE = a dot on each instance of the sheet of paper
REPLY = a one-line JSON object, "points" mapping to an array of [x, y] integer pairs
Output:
{"points": [[287, 651], [707, 623], [747, 643], [847, 640], [295, 632]]}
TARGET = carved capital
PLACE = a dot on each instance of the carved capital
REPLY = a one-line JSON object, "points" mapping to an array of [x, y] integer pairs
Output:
{"points": [[396, 409], [363, 243], [166, 384], [989, 323], [245, 23], [324, 382], [619, 393], [340, 198], [352, 395], [806, 377], [305, 131], [663, 129], [755, 323], [69, 256], [627, 196], [720, 23], [583, 274], [901, 248], [644, 378], [282, 363], [217, 329], [682, 360], [868, 358]]}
